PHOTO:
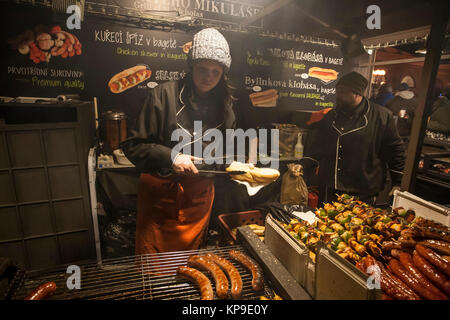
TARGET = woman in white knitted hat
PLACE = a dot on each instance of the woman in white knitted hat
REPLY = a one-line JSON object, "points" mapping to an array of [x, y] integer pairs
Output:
{"points": [[173, 211]]}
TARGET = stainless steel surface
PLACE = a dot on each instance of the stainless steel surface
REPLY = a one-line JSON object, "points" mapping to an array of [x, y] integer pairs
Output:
{"points": [[145, 277]]}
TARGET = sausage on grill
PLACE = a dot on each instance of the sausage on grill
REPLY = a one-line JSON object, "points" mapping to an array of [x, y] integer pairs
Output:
{"points": [[435, 276], [442, 247], [233, 274], [204, 263], [407, 262], [252, 266], [42, 291], [434, 258], [398, 270], [199, 279], [390, 285]]}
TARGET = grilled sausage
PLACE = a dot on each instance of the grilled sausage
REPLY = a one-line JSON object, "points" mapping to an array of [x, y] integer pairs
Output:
{"points": [[42, 291], [199, 279], [233, 274], [441, 247], [431, 233], [360, 266], [405, 244], [408, 264], [390, 245], [385, 297], [434, 275], [390, 285], [396, 253], [446, 258], [430, 224], [202, 262], [398, 289], [434, 258], [252, 266], [397, 268]]}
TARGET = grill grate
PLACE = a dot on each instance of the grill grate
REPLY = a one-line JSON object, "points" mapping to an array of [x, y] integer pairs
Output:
{"points": [[145, 277]]}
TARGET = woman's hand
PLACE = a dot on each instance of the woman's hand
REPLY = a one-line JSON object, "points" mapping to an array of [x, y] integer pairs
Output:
{"points": [[183, 163]]}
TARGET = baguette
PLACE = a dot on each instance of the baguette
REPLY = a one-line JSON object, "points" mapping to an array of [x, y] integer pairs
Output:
{"points": [[253, 175]]}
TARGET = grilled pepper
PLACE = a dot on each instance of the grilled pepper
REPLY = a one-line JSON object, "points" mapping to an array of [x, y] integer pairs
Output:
{"points": [[334, 243], [337, 227], [346, 235]]}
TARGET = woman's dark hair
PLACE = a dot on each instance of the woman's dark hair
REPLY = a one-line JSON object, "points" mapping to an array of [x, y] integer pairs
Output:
{"points": [[222, 90]]}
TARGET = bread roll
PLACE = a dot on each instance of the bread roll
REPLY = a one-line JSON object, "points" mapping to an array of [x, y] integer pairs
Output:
{"points": [[265, 175], [253, 175], [239, 166]]}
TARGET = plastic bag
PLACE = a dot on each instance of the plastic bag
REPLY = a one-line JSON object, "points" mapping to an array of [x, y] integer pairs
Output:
{"points": [[293, 188]]}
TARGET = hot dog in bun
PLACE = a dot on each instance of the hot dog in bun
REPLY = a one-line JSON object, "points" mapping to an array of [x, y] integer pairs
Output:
{"points": [[129, 78], [323, 74], [267, 98]]}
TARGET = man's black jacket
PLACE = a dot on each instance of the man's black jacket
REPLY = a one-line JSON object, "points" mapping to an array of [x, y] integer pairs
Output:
{"points": [[355, 151]]}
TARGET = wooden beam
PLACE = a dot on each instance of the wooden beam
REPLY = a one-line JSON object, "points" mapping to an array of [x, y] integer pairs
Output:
{"points": [[274, 6], [435, 43]]}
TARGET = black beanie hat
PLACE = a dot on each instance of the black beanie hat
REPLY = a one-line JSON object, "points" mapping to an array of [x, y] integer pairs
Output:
{"points": [[355, 81]]}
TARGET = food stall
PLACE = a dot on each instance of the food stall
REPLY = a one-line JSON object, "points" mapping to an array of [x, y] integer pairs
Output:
{"points": [[74, 86]]}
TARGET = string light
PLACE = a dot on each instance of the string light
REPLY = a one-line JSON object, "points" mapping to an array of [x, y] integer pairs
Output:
{"points": [[395, 43]]}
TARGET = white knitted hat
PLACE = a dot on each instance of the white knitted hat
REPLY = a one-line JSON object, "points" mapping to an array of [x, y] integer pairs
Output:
{"points": [[210, 44]]}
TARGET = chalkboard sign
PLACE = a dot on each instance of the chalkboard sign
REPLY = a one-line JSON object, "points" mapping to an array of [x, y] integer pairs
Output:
{"points": [[289, 74], [115, 52], [118, 64]]}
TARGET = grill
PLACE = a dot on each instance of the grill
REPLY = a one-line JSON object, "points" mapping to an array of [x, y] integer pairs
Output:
{"points": [[144, 277]]}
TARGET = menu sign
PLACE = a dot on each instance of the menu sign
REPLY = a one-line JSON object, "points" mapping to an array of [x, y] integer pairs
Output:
{"points": [[118, 64], [123, 63], [290, 74]]}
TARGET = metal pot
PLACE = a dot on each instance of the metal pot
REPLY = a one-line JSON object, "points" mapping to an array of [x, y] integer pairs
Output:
{"points": [[114, 129]]}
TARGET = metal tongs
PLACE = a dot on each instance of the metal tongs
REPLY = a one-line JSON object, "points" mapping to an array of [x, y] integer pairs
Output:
{"points": [[168, 172], [231, 173]]}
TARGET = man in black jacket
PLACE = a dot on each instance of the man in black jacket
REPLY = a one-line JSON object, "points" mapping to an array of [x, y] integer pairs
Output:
{"points": [[403, 106], [355, 144]]}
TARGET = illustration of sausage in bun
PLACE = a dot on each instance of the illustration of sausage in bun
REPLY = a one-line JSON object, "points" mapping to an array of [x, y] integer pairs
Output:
{"points": [[323, 74], [128, 78], [266, 98]]}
